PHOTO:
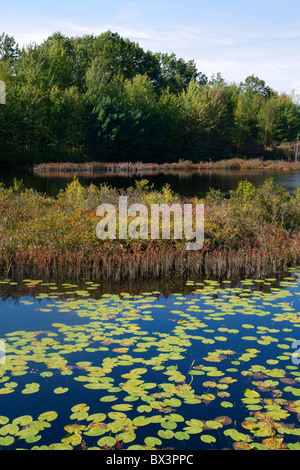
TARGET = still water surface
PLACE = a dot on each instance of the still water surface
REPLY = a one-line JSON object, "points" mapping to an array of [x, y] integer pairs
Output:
{"points": [[184, 183], [210, 369]]}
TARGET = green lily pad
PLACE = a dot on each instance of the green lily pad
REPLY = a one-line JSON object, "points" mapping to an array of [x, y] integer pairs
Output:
{"points": [[127, 437], [97, 417], [226, 404], [152, 441], [4, 420], [7, 441], [166, 434], [60, 390], [207, 438], [109, 398], [107, 441], [182, 436], [31, 388], [48, 416], [237, 436], [23, 420]]}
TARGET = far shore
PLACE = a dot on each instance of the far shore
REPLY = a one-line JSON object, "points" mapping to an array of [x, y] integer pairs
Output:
{"points": [[131, 168]]}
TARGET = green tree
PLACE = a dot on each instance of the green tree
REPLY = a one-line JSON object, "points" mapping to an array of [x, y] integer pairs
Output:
{"points": [[67, 121], [101, 83], [9, 49], [205, 122], [217, 80], [122, 56], [83, 55], [287, 119], [131, 127], [140, 97], [255, 85], [26, 113], [117, 134], [169, 109], [267, 119], [246, 126], [177, 74], [47, 65]]}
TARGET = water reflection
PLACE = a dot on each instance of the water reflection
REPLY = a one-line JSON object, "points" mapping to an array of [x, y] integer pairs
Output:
{"points": [[186, 183]]}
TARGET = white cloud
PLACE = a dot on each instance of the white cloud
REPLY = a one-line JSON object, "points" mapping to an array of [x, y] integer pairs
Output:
{"points": [[269, 52], [296, 86]]}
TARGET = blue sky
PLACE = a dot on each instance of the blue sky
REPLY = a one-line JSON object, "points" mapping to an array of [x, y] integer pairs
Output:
{"points": [[235, 38]]}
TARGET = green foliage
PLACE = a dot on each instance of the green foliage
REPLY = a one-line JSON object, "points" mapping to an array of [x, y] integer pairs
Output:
{"points": [[206, 118], [262, 222], [105, 98], [9, 50]]}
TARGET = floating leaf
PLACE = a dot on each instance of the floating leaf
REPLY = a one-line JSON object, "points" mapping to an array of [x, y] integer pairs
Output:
{"points": [[127, 437], [236, 435], [152, 441], [108, 398], [141, 421], [166, 434], [4, 420], [97, 417], [6, 441], [245, 446], [60, 390], [213, 424], [107, 441], [169, 424], [226, 404], [31, 388], [207, 438], [173, 402], [251, 393], [73, 439], [182, 436], [9, 429], [47, 416], [122, 407]]}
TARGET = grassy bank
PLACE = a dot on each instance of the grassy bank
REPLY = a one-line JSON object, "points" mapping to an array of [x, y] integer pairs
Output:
{"points": [[254, 233], [150, 168]]}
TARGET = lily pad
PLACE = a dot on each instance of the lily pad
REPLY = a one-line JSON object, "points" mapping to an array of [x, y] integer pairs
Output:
{"points": [[207, 438], [107, 441]]}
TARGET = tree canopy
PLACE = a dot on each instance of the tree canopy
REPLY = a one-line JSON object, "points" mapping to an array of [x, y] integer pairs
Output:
{"points": [[105, 98]]}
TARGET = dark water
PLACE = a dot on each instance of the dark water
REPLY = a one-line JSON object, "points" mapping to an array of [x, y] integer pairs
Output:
{"points": [[186, 184], [187, 372]]}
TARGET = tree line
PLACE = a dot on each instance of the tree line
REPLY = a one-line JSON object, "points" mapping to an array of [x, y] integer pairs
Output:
{"points": [[104, 98]]}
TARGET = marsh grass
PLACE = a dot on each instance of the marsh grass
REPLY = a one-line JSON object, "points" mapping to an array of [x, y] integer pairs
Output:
{"points": [[132, 168]]}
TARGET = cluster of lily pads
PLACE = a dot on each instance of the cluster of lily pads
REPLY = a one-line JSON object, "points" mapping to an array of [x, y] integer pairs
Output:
{"points": [[213, 369]]}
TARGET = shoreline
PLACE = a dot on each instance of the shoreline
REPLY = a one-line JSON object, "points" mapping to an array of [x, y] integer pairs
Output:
{"points": [[219, 264], [131, 168]]}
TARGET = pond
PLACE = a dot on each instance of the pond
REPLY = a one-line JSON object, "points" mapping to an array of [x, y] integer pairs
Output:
{"points": [[184, 183], [210, 366]]}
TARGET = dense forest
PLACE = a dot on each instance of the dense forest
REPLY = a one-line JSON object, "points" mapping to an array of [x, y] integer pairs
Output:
{"points": [[104, 98]]}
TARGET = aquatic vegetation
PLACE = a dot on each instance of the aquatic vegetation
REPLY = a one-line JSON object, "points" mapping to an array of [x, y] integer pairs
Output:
{"points": [[129, 168], [252, 234], [144, 371]]}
